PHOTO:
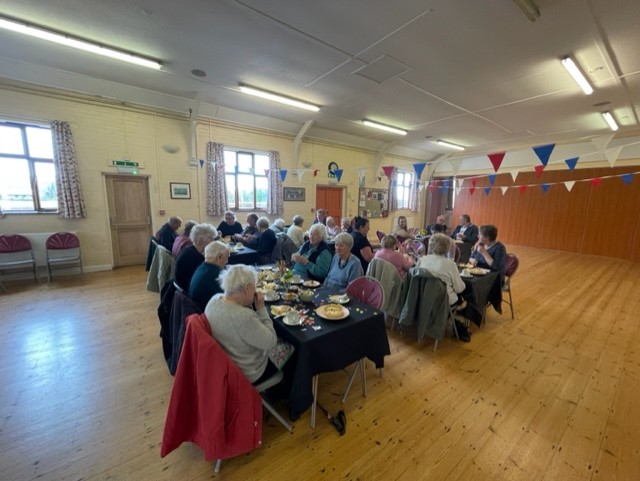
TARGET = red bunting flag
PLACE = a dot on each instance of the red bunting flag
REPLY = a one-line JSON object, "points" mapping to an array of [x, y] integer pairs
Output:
{"points": [[432, 187], [315, 172], [522, 189], [595, 182], [539, 170], [472, 190], [474, 181], [388, 171], [496, 160]]}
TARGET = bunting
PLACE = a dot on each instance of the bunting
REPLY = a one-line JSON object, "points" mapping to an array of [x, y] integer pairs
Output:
{"points": [[601, 142], [571, 163], [487, 190], [419, 167], [338, 173], [544, 152], [514, 175], [492, 178], [474, 181], [388, 171], [472, 190], [627, 178], [283, 174], [545, 187], [504, 189], [315, 172], [612, 155], [539, 170], [299, 174], [522, 189], [569, 184], [201, 163], [595, 182], [496, 160]]}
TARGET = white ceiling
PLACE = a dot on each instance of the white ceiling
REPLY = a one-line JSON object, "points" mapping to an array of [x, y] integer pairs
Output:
{"points": [[474, 72]]}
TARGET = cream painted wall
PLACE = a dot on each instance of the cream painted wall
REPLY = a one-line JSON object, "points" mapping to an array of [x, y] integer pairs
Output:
{"points": [[104, 132]]}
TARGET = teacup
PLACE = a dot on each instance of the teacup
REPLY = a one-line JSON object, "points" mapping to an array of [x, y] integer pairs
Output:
{"points": [[296, 279], [306, 295], [271, 296], [292, 318]]}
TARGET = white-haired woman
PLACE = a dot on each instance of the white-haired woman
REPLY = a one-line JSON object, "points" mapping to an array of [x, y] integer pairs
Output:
{"points": [[314, 257], [277, 226], [345, 267], [191, 257], [245, 334], [441, 267], [264, 241], [295, 230], [204, 283], [229, 226], [333, 229]]}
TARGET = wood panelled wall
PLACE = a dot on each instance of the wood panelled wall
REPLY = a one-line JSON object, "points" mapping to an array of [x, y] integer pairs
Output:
{"points": [[602, 221]]}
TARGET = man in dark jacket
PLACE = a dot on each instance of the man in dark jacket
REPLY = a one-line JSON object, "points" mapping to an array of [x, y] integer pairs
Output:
{"points": [[167, 233]]}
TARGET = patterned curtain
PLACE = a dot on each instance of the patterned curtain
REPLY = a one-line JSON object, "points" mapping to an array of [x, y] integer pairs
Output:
{"points": [[70, 198], [274, 199], [216, 185], [414, 197], [393, 191]]}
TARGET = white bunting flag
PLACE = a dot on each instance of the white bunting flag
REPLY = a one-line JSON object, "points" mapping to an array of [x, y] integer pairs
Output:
{"points": [[569, 184], [514, 174], [612, 155], [504, 189]]}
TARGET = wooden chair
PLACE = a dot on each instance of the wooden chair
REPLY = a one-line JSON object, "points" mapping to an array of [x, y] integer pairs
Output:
{"points": [[510, 267], [63, 250], [16, 255]]}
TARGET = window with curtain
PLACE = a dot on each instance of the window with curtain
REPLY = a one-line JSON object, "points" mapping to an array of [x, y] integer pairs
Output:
{"points": [[28, 180], [246, 179], [403, 189]]}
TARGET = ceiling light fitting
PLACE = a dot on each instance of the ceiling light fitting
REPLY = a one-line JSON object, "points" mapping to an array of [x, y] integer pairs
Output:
{"points": [[386, 128], [529, 8], [278, 98], [449, 144], [610, 120], [577, 75], [64, 39]]}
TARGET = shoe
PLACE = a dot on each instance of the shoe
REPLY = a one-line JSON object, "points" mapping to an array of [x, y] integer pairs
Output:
{"points": [[463, 332]]}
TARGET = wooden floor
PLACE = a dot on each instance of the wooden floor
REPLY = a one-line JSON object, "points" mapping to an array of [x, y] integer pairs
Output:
{"points": [[552, 395]]}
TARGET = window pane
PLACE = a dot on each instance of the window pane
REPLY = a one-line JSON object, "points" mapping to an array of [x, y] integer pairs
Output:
{"points": [[262, 187], [11, 140], [15, 189], [46, 179], [245, 163], [40, 143], [229, 161], [262, 164], [230, 180], [245, 191]]}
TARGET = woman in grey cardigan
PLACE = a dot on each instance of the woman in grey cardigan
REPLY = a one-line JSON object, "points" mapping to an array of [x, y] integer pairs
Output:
{"points": [[245, 334]]}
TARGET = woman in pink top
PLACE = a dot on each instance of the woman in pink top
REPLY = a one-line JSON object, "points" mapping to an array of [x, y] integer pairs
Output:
{"points": [[389, 253]]}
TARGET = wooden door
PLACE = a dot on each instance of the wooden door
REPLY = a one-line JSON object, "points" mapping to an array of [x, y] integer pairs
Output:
{"points": [[129, 218], [330, 199]]}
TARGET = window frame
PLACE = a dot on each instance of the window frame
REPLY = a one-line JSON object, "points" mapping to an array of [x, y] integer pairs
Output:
{"points": [[405, 201], [31, 163], [253, 153]]}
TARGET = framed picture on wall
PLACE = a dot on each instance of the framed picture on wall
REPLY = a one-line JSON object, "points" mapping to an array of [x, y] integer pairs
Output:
{"points": [[293, 193], [180, 190]]}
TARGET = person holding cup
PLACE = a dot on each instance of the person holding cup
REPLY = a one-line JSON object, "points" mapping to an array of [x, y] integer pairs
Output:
{"points": [[489, 253], [313, 259]]}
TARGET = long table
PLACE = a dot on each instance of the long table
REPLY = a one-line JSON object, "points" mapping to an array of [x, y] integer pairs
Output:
{"points": [[481, 291], [334, 346], [247, 256]]}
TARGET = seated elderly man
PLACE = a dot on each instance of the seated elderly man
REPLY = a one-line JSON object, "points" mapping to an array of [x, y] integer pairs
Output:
{"points": [[264, 241], [295, 231], [313, 259], [333, 229], [204, 283], [489, 253], [191, 257], [465, 231], [245, 334], [344, 267], [250, 231], [278, 226], [167, 233]]}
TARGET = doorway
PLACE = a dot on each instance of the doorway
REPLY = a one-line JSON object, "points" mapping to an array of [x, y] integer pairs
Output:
{"points": [[129, 218], [330, 199]]}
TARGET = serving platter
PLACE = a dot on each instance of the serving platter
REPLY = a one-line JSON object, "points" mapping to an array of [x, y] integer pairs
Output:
{"points": [[311, 283], [332, 312], [478, 271]]}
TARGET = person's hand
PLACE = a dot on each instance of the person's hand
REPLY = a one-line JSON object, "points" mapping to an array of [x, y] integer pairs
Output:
{"points": [[473, 261], [258, 300], [296, 257], [481, 249]]}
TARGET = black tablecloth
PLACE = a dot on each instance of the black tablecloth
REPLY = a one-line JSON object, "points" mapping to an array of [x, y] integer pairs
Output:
{"points": [[336, 345], [246, 256], [481, 291]]}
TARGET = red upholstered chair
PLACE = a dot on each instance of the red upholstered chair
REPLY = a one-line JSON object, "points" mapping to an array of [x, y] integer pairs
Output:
{"points": [[510, 267], [16, 255], [369, 291], [63, 251], [380, 235]]}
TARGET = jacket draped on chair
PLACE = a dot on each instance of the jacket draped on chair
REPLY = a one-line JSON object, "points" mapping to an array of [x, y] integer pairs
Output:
{"points": [[213, 404], [392, 284], [163, 266], [427, 305]]}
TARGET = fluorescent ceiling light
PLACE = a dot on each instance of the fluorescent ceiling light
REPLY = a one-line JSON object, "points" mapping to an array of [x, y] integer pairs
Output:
{"points": [[449, 144], [63, 39], [529, 8], [278, 98], [386, 128], [575, 72], [610, 120]]}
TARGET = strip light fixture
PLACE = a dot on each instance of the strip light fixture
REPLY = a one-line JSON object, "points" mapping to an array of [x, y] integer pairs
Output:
{"points": [[449, 144], [577, 75], [610, 120], [69, 41], [278, 98], [387, 128], [529, 8]]}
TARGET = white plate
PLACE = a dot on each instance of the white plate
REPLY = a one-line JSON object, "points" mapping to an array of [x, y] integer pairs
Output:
{"points": [[292, 319], [332, 313], [478, 271], [339, 298], [311, 283]]}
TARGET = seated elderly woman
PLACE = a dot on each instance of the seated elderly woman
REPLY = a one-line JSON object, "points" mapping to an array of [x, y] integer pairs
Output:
{"points": [[204, 283], [191, 257], [389, 253], [264, 242], [333, 229], [295, 231], [183, 239], [245, 334], [278, 226], [314, 257], [441, 267], [488, 252], [345, 267]]}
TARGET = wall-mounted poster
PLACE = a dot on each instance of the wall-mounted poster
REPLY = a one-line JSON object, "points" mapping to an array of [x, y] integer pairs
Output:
{"points": [[294, 194], [373, 203]]}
